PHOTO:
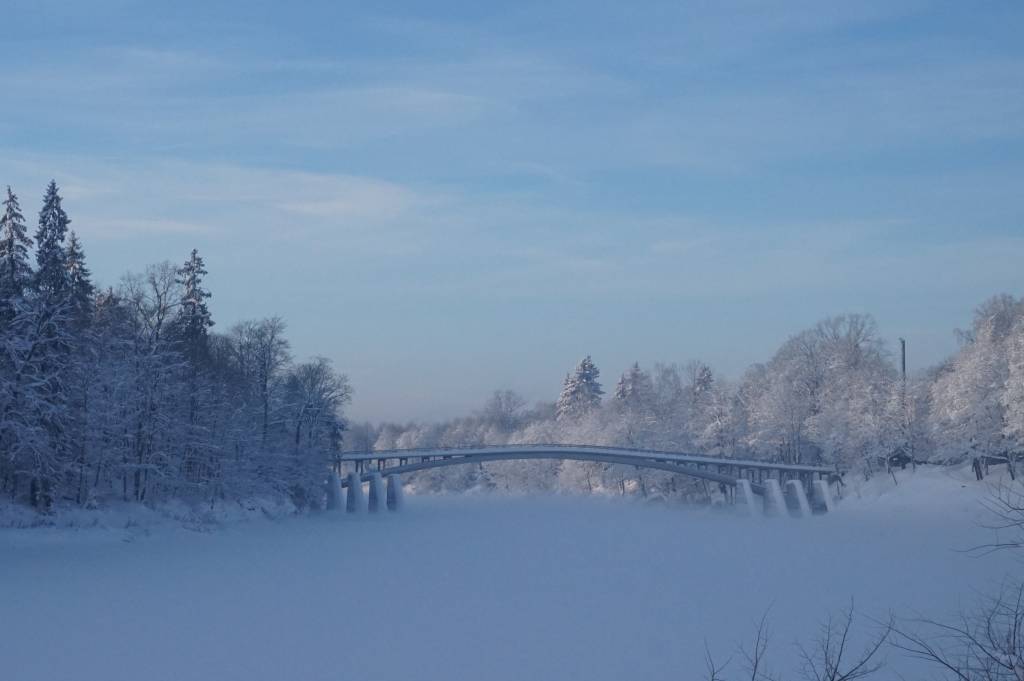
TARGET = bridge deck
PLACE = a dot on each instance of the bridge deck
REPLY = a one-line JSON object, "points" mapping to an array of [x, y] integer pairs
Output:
{"points": [[580, 452]]}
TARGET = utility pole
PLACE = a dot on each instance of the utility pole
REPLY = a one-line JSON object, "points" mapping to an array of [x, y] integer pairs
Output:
{"points": [[903, 359], [903, 405]]}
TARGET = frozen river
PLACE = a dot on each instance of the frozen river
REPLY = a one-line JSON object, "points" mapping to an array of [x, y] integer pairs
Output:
{"points": [[470, 588]]}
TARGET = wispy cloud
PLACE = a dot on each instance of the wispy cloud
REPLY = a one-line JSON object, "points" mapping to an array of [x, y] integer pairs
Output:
{"points": [[118, 228], [410, 169]]}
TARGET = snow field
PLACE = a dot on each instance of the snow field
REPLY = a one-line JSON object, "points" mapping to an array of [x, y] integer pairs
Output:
{"points": [[482, 588]]}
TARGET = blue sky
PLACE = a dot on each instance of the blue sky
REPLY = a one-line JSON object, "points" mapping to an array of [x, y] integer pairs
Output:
{"points": [[451, 197]]}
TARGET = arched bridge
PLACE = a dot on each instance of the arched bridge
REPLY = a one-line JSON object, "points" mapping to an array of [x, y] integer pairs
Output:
{"points": [[727, 471]]}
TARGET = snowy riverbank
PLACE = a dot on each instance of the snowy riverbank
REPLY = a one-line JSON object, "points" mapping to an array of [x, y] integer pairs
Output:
{"points": [[134, 518]]}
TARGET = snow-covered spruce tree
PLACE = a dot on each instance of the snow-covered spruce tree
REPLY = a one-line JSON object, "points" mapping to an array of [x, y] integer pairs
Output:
{"points": [[190, 330], [581, 392], [635, 390], [15, 270], [51, 278], [633, 400], [80, 288], [194, 319], [40, 348], [700, 386], [80, 301], [574, 411]]}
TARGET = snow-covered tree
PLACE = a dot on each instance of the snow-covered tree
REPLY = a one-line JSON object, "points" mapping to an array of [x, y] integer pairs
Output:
{"points": [[818, 394], [1012, 398], [581, 392], [633, 400], [503, 410], [635, 390], [15, 270], [128, 392], [261, 353], [79, 280], [33, 410], [194, 319], [315, 395], [52, 275], [722, 423], [969, 396]]}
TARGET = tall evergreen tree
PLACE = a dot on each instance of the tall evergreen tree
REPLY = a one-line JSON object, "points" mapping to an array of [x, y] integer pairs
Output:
{"points": [[50, 323], [51, 258], [635, 390], [15, 271], [80, 287], [194, 319], [581, 392]]}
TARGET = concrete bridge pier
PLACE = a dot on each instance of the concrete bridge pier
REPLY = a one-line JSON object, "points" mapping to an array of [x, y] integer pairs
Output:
{"points": [[774, 503], [796, 499], [354, 502], [821, 497], [395, 494], [376, 500], [335, 498], [745, 499]]}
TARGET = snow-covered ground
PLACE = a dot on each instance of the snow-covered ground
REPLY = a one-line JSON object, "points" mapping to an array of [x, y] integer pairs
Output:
{"points": [[481, 588]]}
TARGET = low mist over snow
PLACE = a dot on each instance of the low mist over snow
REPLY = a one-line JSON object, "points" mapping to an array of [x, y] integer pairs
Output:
{"points": [[484, 588]]}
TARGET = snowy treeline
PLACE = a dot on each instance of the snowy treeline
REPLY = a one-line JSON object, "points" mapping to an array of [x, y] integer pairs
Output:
{"points": [[127, 393], [831, 394]]}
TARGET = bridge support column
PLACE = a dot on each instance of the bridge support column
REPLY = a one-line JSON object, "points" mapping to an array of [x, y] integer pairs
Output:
{"points": [[746, 503], [354, 502], [796, 499], [821, 497], [774, 504], [395, 494], [335, 498], [376, 500]]}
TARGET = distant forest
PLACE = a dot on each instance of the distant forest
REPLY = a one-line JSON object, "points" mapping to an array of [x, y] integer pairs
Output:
{"points": [[128, 393]]}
